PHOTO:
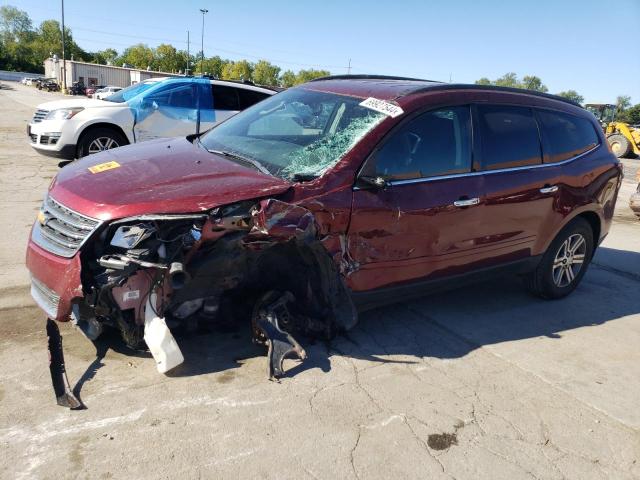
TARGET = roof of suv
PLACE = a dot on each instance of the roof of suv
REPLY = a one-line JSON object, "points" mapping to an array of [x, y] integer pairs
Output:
{"points": [[391, 88]]}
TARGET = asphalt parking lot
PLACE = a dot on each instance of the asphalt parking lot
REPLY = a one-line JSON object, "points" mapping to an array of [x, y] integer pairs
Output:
{"points": [[486, 382]]}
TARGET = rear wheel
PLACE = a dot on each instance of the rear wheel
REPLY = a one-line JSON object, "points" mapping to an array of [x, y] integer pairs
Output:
{"points": [[98, 140], [564, 263], [619, 144]]}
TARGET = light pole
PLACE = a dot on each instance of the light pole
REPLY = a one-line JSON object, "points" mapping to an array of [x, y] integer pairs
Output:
{"points": [[64, 59], [203, 10]]}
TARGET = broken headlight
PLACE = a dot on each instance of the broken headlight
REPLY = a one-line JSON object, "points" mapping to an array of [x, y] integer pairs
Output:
{"points": [[129, 236]]}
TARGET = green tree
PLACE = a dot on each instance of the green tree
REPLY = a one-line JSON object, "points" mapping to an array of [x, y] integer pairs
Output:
{"points": [[48, 40], [265, 73], [484, 81], [308, 75], [106, 56], [623, 102], [633, 114], [572, 95], [15, 24], [139, 55], [240, 70], [168, 59], [288, 79], [508, 80], [213, 66], [16, 34], [531, 82]]}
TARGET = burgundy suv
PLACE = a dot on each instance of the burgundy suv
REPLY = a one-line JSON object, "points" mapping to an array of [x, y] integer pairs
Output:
{"points": [[325, 199]]}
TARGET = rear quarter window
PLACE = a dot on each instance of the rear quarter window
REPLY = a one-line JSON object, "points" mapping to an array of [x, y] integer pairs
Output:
{"points": [[225, 98], [509, 137], [565, 136], [250, 97]]}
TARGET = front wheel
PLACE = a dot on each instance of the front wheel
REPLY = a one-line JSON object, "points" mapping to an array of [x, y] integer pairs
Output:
{"points": [[98, 140], [564, 263]]}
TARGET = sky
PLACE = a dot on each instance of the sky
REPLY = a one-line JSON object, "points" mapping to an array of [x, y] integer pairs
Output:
{"points": [[569, 44]]}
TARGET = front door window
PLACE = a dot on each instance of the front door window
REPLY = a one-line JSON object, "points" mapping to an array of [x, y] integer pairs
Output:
{"points": [[433, 144]]}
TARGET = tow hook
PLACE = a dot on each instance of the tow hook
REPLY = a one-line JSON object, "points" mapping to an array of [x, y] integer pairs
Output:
{"points": [[270, 312], [61, 387]]}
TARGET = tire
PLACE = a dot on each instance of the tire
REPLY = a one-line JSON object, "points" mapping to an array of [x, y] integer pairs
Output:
{"points": [[560, 271], [99, 139], [619, 144]]}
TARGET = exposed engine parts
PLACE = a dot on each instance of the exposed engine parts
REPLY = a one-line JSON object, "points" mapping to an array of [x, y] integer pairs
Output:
{"points": [[262, 263]]}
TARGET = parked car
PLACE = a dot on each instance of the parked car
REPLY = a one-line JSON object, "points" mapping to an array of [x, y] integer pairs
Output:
{"points": [[634, 201], [105, 92], [340, 193], [91, 89], [49, 84], [151, 109], [27, 80], [77, 89]]}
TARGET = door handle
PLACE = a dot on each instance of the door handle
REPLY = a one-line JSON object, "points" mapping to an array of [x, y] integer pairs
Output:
{"points": [[466, 202], [549, 189]]}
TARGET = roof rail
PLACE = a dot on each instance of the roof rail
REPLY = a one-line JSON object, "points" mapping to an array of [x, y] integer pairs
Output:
{"points": [[473, 86], [371, 77], [449, 86]]}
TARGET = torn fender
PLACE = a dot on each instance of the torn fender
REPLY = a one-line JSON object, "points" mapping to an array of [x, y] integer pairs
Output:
{"points": [[276, 220], [281, 221]]}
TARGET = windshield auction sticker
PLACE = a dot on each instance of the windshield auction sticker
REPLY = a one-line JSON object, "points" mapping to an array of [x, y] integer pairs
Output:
{"points": [[383, 107], [101, 167]]}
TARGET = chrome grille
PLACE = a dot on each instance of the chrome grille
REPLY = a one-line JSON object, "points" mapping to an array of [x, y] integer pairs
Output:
{"points": [[60, 230], [47, 299], [39, 115]]}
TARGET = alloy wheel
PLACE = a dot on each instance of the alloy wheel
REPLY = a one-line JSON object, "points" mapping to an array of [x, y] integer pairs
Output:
{"points": [[102, 143], [569, 260]]}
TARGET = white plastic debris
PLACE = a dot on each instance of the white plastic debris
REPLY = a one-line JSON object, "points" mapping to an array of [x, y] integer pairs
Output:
{"points": [[160, 341]]}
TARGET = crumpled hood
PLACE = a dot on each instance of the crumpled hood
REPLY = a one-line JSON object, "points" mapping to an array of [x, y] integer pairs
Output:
{"points": [[160, 176], [78, 103]]}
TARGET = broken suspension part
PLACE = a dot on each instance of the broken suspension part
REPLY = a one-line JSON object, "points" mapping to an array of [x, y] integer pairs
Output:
{"points": [[61, 387], [270, 312]]}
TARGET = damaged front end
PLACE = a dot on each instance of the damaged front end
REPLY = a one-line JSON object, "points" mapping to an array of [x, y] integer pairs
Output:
{"points": [[257, 261]]}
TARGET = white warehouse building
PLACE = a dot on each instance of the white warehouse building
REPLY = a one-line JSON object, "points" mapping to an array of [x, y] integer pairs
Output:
{"points": [[91, 74]]}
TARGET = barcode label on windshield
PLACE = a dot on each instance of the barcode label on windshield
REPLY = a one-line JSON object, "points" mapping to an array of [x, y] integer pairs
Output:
{"points": [[382, 107]]}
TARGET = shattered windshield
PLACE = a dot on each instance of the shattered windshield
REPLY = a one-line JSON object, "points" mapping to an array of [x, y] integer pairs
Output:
{"points": [[297, 133]]}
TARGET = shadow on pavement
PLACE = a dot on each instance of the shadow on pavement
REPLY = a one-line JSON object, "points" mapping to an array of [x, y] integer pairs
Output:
{"points": [[446, 325]]}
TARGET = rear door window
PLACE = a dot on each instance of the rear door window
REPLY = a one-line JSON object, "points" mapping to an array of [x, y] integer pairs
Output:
{"points": [[509, 137], [433, 144], [565, 136], [250, 97], [225, 98], [178, 95]]}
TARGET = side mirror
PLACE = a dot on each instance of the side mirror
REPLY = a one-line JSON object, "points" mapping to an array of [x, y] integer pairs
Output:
{"points": [[372, 183]]}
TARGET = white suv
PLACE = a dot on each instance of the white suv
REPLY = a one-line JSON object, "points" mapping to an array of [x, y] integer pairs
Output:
{"points": [[155, 108], [102, 93]]}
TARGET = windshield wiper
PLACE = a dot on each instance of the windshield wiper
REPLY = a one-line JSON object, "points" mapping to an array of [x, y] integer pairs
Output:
{"points": [[254, 163]]}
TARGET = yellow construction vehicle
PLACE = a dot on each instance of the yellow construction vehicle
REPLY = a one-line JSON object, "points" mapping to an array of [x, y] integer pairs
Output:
{"points": [[622, 137]]}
